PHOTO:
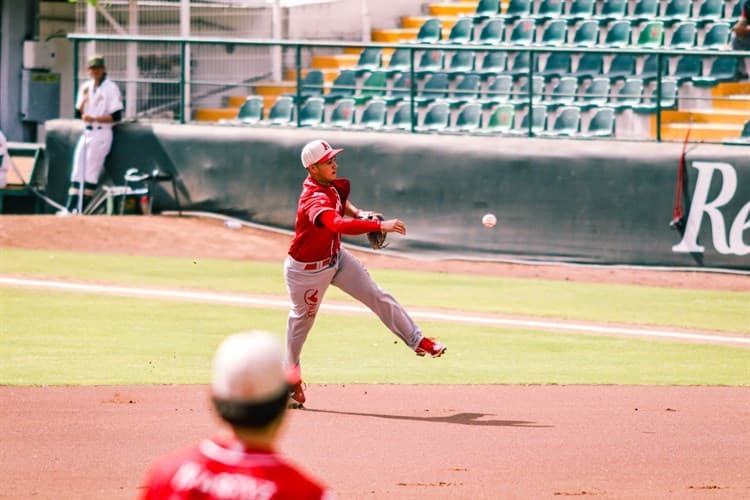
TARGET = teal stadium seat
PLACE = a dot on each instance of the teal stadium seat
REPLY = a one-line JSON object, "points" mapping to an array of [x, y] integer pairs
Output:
{"points": [[469, 119], [601, 124], [402, 117], [493, 63], [370, 59], [586, 34], [522, 64], [669, 96], [466, 91], [460, 63], [563, 93], [711, 11], [435, 87], [345, 85], [251, 111], [628, 96], [595, 95], [566, 123], [492, 32], [311, 85], [522, 33], [533, 122], [485, 10], [281, 112], [716, 37], [687, 67], [611, 10], [401, 90], [676, 11], [621, 66], [644, 11], [342, 114], [650, 69], [462, 31], [618, 35], [684, 36], [590, 65], [436, 118], [555, 34], [429, 62], [399, 62], [374, 115], [311, 113], [556, 65], [548, 10], [723, 69], [580, 10], [516, 10], [431, 31], [536, 91], [498, 92]]}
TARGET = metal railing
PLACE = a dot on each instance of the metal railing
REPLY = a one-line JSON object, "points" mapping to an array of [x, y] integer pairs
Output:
{"points": [[186, 80]]}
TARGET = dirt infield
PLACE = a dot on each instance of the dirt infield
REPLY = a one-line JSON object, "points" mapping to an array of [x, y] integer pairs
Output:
{"points": [[382, 441]]}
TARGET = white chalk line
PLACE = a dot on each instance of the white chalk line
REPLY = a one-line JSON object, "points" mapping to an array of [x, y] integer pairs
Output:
{"points": [[434, 316]]}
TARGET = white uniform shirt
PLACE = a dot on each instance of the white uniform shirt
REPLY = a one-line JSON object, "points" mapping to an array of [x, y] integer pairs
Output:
{"points": [[102, 100]]}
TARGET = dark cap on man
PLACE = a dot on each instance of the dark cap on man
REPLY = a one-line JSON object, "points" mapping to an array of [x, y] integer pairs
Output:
{"points": [[96, 61]]}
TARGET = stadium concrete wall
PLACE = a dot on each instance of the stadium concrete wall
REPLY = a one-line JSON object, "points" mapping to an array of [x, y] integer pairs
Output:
{"points": [[603, 202]]}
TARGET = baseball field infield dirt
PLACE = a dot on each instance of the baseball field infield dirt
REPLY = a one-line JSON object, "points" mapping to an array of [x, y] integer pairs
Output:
{"points": [[381, 441]]}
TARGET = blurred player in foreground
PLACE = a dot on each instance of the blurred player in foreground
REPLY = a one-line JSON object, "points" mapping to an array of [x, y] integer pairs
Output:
{"points": [[317, 260], [249, 390]]}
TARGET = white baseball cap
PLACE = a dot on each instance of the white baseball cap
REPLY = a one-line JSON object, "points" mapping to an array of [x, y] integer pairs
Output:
{"points": [[249, 367], [316, 151]]}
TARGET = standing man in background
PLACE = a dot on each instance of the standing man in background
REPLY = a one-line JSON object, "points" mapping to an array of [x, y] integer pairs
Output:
{"points": [[317, 260], [741, 38], [99, 105], [249, 390], [4, 160]]}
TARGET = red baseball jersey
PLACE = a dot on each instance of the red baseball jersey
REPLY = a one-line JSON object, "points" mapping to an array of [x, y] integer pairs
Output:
{"points": [[312, 241], [226, 470]]}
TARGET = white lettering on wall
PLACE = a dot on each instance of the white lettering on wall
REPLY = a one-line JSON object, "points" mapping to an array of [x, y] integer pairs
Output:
{"points": [[733, 243]]}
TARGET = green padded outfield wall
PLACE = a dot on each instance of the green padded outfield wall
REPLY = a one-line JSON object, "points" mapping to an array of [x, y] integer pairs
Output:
{"points": [[605, 202]]}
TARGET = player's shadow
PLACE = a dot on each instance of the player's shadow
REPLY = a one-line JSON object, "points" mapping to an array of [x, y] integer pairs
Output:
{"points": [[458, 418]]}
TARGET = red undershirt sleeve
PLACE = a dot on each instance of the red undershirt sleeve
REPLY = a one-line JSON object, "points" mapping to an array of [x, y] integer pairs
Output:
{"points": [[334, 222]]}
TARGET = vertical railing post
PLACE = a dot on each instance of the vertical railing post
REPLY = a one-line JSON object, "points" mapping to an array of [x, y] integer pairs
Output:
{"points": [[298, 71], [183, 66], [531, 92], [75, 70], [412, 91], [658, 95]]}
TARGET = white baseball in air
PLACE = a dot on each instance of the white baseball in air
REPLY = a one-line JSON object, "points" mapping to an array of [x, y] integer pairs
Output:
{"points": [[489, 220]]}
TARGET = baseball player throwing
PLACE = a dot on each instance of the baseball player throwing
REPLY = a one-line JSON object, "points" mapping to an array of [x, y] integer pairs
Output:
{"points": [[99, 105], [316, 260]]}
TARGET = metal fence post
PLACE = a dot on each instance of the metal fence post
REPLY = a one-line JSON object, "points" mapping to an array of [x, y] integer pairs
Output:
{"points": [[412, 91]]}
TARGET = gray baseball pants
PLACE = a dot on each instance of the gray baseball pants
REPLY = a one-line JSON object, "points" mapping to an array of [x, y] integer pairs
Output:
{"points": [[307, 288]]}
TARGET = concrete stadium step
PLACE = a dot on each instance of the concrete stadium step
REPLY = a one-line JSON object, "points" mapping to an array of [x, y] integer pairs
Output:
{"points": [[334, 61], [446, 22], [394, 35], [214, 114], [707, 116], [699, 132], [737, 95]]}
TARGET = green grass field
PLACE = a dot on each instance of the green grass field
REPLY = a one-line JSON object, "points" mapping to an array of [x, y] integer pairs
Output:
{"points": [[51, 337]]}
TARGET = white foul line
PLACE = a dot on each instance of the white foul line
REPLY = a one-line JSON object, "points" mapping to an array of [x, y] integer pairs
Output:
{"points": [[453, 318]]}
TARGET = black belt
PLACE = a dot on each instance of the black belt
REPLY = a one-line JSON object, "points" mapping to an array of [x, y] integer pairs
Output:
{"points": [[91, 127]]}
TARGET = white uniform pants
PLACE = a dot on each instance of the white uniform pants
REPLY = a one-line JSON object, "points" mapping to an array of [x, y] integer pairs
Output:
{"points": [[91, 151], [307, 289]]}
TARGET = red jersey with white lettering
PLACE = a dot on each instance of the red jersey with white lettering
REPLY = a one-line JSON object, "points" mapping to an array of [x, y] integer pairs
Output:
{"points": [[218, 469], [313, 241]]}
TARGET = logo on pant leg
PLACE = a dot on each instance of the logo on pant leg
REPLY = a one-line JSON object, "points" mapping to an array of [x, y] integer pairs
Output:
{"points": [[312, 301]]}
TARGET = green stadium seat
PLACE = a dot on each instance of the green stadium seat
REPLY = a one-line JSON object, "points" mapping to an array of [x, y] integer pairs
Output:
{"points": [[499, 91], [590, 65], [595, 95], [374, 115], [311, 85], [723, 69], [500, 121], [281, 112], [251, 110], [469, 119], [563, 93], [311, 113], [345, 85], [566, 123], [492, 32], [401, 90], [629, 95], [429, 62], [618, 35], [370, 59], [436, 118], [684, 36], [555, 34], [711, 11], [375, 85], [716, 37], [493, 63], [431, 31], [644, 11], [602, 124], [651, 35], [611, 10], [462, 31], [586, 34], [556, 65]]}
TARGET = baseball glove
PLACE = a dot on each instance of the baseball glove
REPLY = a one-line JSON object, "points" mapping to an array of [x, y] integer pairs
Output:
{"points": [[375, 238]]}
